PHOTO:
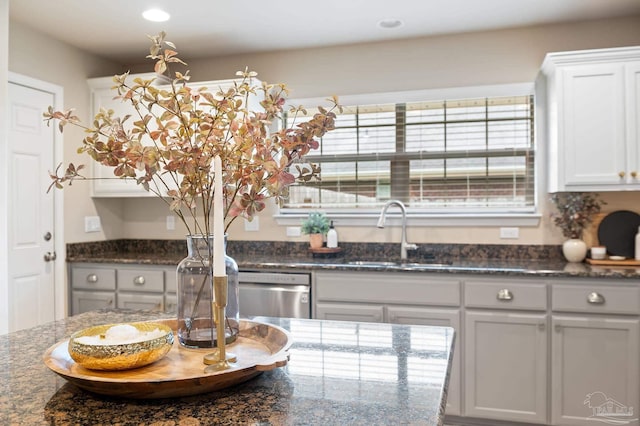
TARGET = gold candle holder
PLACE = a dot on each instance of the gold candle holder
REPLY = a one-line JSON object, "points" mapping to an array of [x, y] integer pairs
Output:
{"points": [[219, 359]]}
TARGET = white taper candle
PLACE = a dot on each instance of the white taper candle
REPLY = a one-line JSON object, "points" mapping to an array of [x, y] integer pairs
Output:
{"points": [[218, 221]]}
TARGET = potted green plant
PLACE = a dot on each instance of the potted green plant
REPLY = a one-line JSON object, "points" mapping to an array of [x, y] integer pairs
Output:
{"points": [[574, 212], [316, 226]]}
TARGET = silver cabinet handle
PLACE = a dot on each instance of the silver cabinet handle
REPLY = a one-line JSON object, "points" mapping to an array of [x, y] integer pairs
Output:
{"points": [[92, 278], [49, 257], [505, 295], [139, 280], [595, 298], [110, 302], [541, 326]]}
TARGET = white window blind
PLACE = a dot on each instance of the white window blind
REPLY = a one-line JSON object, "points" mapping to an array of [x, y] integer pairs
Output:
{"points": [[462, 156]]}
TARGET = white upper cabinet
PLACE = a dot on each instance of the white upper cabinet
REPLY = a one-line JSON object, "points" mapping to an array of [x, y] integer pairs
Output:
{"points": [[105, 184], [592, 119]]}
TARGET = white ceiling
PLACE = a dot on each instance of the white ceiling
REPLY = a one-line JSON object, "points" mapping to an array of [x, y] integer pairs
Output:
{"points": [[116, 30]]}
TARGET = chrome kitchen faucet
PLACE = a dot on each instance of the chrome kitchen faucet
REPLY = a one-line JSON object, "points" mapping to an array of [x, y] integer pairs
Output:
{"points": [[404, 245]]}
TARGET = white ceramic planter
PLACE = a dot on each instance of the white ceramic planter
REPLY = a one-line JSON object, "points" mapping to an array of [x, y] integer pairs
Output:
{"points": [[574, 250]]}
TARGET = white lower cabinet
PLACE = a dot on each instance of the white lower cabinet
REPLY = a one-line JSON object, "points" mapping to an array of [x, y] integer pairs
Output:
{"points": [[506, 366], [505, 349], [92, 287], [401, 298], [140, 287], [595, 357], [436, 317], [594, 366]]}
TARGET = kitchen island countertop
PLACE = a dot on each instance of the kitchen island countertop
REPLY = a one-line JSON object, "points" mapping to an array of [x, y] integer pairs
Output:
{"points": [[339, 373]]}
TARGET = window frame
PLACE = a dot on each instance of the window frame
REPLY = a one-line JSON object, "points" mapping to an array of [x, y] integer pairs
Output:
{"points": [[526, 216]]}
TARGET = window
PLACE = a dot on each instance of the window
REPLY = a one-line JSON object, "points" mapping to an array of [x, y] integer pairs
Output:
{"points": [[469, 155]]}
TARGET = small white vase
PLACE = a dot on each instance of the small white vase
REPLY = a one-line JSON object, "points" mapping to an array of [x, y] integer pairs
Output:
{"points": [[574, 250]]}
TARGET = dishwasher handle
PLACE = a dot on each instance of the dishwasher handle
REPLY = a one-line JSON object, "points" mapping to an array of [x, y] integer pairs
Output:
{"points": [[281, 278]]}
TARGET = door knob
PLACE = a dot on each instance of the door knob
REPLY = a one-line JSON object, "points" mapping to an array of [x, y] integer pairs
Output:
{"points": [[49, 257]]}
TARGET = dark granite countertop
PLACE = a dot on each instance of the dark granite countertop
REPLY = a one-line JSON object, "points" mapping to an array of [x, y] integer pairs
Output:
{"points": [[339, 373], [542, 261]]}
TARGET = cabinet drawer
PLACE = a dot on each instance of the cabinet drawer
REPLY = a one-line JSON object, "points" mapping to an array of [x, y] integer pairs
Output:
{"points": [[93, 278], [413, 289], [141, 280], [85, 301], [596, 299], [145, 302], [505, 295]]}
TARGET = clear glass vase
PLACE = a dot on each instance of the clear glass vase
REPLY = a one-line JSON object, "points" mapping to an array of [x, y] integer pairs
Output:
{"points": [[196, 325]]}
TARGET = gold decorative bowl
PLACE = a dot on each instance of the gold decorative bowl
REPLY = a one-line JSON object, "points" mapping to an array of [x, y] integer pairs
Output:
{"points": [[100, 348]]}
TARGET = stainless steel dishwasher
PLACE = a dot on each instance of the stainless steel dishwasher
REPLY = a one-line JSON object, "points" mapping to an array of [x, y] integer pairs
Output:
{"points": [[275, 294]]}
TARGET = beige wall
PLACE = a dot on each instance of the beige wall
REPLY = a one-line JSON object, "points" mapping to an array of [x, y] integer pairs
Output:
{"points": [[493, 57], [36, 55], [4, 192]]}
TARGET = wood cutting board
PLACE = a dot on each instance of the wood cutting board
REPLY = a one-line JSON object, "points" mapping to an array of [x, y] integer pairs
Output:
{"points": [[608, 262]]}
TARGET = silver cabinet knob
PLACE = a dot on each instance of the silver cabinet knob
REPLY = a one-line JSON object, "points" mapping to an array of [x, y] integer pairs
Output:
{"points": [[595, 298], [139, 280], [92, 278], [47, 236], [505, 295], [50, 257]]}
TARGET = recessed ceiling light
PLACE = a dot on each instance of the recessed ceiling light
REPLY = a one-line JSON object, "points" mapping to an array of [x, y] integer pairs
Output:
{"points": [[155, 15], [390, 23]]}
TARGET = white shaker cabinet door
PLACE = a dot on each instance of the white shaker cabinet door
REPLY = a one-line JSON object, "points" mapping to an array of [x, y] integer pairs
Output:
{"points": [[592, 120], [440, 318], [85, 301], [506, 366], [105, 183], [594, 370], [632, 90]]}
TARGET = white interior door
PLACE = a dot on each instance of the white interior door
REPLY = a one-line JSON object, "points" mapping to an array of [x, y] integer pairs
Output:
{"points": [[31, 215]]}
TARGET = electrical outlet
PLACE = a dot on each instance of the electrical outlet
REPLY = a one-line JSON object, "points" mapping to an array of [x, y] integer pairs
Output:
{"points": [[293, 231], [92, 224], [510, 233], [171, 223], [252, 226]]}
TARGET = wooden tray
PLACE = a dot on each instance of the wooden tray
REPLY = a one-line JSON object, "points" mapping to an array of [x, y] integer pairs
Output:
{"points": [[259, 347], [324, 250], [609, 262]]}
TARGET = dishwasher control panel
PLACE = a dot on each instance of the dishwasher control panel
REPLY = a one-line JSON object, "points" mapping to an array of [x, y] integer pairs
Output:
{"points": [[274, 278]]}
